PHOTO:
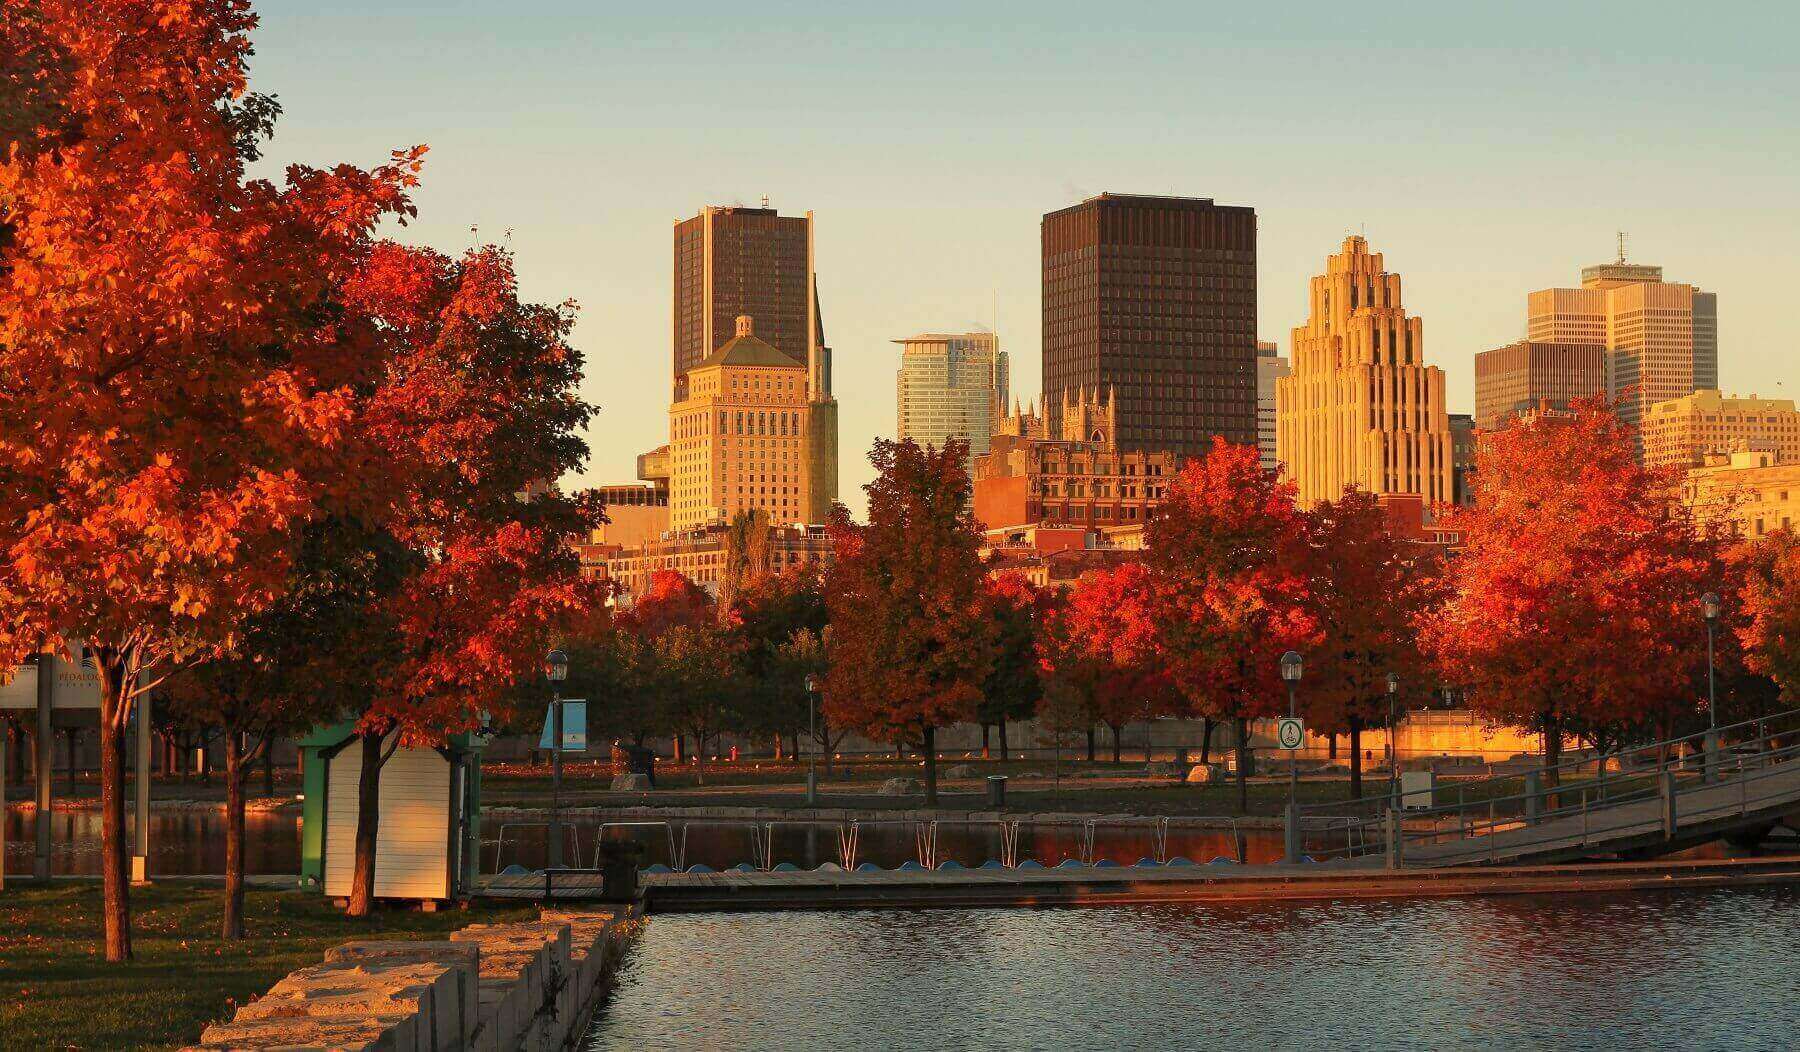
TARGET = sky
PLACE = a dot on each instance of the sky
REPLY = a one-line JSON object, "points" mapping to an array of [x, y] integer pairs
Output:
{"points": [[1486, 150]]}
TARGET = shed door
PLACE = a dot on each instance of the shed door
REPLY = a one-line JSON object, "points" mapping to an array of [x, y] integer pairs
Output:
{"points": [[412, 845]]}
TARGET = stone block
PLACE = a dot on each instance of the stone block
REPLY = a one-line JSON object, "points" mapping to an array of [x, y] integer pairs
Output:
{"points": [[1206, 773], [631, 783], [901, 787]]}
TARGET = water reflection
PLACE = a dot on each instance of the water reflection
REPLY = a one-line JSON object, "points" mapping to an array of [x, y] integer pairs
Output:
{"points": [[1689, 969]]}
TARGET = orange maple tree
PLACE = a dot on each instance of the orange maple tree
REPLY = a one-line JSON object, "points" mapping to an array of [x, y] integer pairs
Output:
{"points": [[1103, 645], [1769, 595], [176, 383]]}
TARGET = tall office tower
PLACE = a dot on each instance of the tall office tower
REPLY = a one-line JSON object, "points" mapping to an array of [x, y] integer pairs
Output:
{"points": [[1154, 298], [1462, 458], [1661, 338], [744, 435], [1270, 367], [951, 386], [1526, 375], [1684, 432], [1361, 407], [733, 261]]}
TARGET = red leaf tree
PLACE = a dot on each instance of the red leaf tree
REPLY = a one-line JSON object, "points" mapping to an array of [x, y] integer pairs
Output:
{"points": [[1228, 549], [1574, 609], [179, 378], [1770, 599], [1104, 648], [909, 648]]}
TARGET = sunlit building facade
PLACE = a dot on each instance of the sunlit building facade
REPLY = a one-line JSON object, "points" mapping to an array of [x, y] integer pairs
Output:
{"points": [[950, 386], [1270, 367], [1526, 375], [1681, 432]]}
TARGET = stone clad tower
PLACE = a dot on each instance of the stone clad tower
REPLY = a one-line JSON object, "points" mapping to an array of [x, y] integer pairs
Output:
{"points": [[1361, 406]]}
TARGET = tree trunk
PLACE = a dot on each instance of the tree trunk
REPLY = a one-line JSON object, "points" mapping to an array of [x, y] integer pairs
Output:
{"points": [[984, 740], [700, 757], [778, 747], [115, 888], [1090, 743], [1331, 749], [268, 766], [677, 758], [233, 925], [1005, 749], [931, 767], [1552, 754], [368, 824], [1206, 729], [1243, 764], [1116, 744], [1355, 758]]}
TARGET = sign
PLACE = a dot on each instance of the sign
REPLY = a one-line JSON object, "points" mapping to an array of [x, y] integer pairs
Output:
{"points": [[574, 720], [77, 687], [1290, 732]]}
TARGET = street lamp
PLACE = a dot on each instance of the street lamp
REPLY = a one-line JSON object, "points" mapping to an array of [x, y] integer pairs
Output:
{"points": [[556, 669], [812, 732], [1709, 609], [1291, 667], [1393, 685]]}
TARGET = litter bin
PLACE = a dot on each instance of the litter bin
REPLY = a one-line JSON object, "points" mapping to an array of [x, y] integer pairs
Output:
{"points": [[996, 790]]}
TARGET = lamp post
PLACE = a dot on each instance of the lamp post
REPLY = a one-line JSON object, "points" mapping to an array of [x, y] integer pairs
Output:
{"points": [[1291, 667], [1393, 685], [1709, 609], [556, 669], [812, 732]]}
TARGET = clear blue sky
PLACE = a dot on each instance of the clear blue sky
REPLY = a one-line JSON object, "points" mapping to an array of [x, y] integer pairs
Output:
{"points": [[1487, 150]]}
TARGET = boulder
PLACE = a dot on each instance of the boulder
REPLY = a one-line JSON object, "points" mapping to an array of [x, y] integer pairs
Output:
{"points": [[961, 770], [901, 787], [1206, 773], [631, 783], [1163, 769]]}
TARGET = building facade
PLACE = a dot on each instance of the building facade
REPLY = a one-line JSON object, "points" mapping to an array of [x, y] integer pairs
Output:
{"points": [[1681, 432], [950, 386], [742, 261], [1462, 459], [1661, 338], [1361, 406], [701, 556], [1526, 374], [748, 433], [1082, 479], [1270, 367], [1750, 489], [1154, 298]]}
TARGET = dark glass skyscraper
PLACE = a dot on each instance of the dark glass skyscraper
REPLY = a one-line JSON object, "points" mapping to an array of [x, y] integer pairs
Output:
{"points": [[1154, 299], [732, 262]]}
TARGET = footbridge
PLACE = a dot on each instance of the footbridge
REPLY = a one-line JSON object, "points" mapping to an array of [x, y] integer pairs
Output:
{"points": [[1734, 783]]}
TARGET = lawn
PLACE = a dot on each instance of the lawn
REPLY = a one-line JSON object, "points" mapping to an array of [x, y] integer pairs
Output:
{"points": [[56, 991]]}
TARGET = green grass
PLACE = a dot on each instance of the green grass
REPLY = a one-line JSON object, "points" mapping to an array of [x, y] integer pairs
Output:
{"points": [[57, 991]]}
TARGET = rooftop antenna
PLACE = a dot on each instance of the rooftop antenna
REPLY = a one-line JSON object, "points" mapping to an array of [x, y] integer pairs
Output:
{"points": [[765, 200], [1621, 246]]}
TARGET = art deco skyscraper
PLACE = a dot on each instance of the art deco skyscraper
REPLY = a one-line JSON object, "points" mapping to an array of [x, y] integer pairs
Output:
{"points": [[1154, 298], [1361, 406]]}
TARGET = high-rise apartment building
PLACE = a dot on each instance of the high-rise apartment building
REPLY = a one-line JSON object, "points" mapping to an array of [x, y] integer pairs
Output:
{"points": [[1661, 338], [1682, 432], [1361, 407], [1270, 367], [732, 261], [951, 386], [1154, 298], [1462, 459], [1525, 376], [748, 431]]}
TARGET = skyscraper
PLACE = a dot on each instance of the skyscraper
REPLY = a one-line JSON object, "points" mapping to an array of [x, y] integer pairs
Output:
{"points": [[1154, 298], [1525, 375], [951, 386], [732, 261], [1361, 407], [1270, 367], [1661, 338]]}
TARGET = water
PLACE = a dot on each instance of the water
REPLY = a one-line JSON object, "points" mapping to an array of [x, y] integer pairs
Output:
{"points": [[182, 843], [1710, 969]]}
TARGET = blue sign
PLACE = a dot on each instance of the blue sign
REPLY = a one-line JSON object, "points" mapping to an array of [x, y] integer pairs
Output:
{"points": [[574, 720]]}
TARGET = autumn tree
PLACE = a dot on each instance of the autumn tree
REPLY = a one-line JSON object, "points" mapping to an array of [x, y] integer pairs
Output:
{"points": [[909, 648], [177, 378], [1574, 605], [1368, 591], [1228, 552], [1769, 597], [776, 625], [1015, 611], [1104, 646], [474, 417]]}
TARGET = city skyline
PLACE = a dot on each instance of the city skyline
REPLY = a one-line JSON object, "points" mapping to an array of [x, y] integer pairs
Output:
{"points": [[1467, 193]]}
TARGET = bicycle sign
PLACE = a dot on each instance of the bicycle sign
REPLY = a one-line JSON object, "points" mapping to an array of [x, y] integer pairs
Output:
{"points": [[1290, 732]]}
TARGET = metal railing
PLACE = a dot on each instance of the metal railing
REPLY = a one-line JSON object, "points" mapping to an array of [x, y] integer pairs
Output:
{"points": [[1740, 754]]}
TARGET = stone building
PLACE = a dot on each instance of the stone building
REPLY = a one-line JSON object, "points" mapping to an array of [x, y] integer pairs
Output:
{"points": [[1681, 432], [1750, 489], [1081, 478], [702, 555], [1361, 407]]}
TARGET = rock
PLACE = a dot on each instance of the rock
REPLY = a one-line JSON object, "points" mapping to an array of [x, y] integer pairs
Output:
{"points": [[961, 770], [631, 783], [1206, 773], [901, 787], [1163, 769]]}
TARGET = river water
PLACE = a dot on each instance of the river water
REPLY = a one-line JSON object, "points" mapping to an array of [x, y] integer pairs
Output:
{"points": [[1704, 970]]}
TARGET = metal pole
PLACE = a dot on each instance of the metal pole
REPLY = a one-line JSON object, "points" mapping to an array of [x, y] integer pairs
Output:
{"points": [[140, 833], [46, 762], [556, 746], [1293, 807], [812, 761], [1393, 757]]}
